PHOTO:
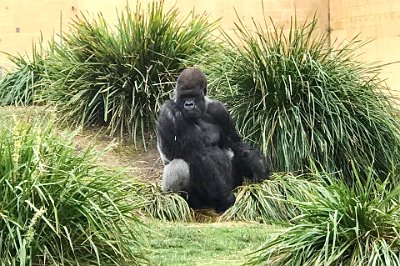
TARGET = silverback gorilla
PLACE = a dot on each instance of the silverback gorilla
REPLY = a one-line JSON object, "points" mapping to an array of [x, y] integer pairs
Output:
{"points": [[204, 156]]}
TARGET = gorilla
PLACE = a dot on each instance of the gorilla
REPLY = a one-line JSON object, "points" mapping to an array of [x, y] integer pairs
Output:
{"points": [[203, 155]]}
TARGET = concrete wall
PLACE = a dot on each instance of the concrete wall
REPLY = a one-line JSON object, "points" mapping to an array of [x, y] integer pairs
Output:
{"points": [[376, 20], [22, 21]]}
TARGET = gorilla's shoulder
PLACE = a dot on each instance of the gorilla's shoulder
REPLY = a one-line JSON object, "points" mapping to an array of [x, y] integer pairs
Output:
{"points": [[215, 107], [218, 112], [168, 110], [167, 104]]}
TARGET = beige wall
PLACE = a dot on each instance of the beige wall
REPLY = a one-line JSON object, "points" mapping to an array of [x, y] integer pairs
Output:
{"points": [[21, 21], [373, 19], [377, 20]]}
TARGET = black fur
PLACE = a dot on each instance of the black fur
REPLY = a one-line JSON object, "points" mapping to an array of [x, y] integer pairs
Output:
{"points": [[248, 162], [200, 131]]}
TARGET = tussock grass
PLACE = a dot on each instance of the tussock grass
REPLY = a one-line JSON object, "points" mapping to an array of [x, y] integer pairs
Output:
{"points": [[162, 206], [306, 103], [57, 207], [22, 85], [271, 201], [118, 76], [344, 225]]}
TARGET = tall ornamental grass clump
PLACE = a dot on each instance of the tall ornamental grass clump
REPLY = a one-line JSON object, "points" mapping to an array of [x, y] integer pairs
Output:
{"points": [[160, 205], [23, 84], [58, 208], [119, 76], [343, 225], [268, 201], [304, 102]]}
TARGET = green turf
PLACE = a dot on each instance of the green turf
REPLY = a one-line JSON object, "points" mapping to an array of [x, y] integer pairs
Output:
{"points": [[205, 244]]}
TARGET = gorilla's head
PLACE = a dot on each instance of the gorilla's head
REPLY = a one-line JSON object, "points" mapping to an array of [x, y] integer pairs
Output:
{"points": [[190, 90], [257, 164], [252, 162]]}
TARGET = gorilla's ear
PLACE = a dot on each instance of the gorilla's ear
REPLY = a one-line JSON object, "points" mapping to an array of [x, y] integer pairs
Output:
{"points": [[205, 90]]}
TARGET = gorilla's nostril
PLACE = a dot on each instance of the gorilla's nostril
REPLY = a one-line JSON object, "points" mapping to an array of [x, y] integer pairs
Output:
{"points": [[189, 105]]}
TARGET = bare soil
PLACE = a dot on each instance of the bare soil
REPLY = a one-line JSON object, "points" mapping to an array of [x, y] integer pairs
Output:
{"points": [[138, 162]]}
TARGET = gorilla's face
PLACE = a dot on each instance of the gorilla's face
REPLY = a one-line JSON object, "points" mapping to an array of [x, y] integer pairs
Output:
{"points": [[190, 93], [191, 105]]}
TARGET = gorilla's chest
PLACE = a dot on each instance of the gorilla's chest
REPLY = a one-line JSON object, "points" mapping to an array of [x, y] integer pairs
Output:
{"points": [[207, 132]]}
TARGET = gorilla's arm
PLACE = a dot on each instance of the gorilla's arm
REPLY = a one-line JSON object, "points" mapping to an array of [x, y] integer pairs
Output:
{"points": [[171, 127], [247, 161], [229, 135]]}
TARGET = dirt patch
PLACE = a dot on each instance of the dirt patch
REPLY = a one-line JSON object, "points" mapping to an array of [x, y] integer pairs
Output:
{"points": [[139, 163], [146, 165]]}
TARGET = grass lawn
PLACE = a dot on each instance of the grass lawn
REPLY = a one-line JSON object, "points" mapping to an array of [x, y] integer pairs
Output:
{"points": [[205, 243]]}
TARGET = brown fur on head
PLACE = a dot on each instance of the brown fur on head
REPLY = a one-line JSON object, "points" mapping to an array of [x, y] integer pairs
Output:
{"points": [[191, 81]]}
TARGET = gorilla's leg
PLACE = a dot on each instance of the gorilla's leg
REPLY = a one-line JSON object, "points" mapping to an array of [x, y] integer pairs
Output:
{"points": [[205, 184], [211, 181], [176, 176]]}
